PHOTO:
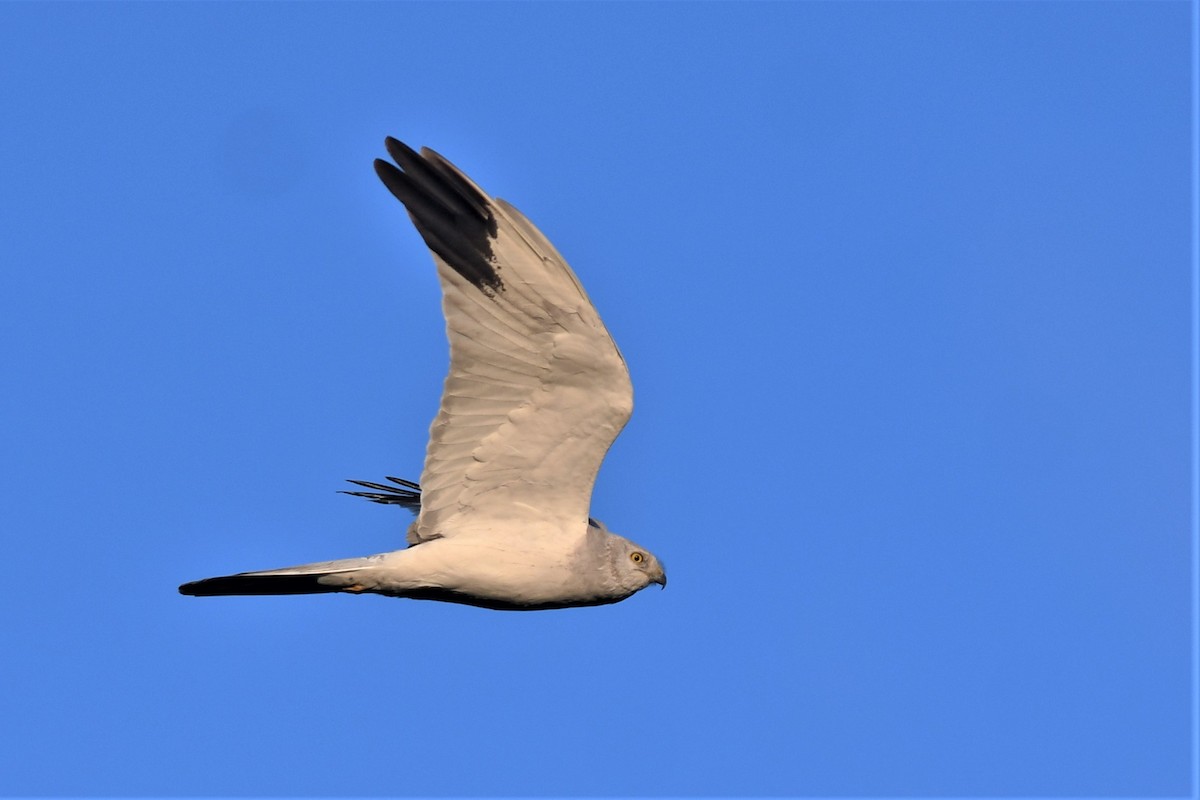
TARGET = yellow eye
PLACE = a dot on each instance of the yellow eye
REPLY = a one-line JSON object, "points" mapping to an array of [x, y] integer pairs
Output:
{"points": [[636, 557]]}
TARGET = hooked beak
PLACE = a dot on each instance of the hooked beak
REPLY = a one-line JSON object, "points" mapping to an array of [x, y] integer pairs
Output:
{"points": [[659, 577]]}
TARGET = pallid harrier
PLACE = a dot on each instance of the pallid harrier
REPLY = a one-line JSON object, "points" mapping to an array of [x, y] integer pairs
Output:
{"points": [[536, 394]]}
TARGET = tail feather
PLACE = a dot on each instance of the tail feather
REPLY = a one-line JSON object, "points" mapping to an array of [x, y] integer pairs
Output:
{"points": [[250, 584], [318, 578]]}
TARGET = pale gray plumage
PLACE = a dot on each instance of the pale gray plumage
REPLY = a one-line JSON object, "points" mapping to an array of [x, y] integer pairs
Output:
{"points": [[536, 393]]}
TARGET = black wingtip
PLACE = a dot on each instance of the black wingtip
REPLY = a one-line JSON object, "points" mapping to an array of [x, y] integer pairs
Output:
{"points": [[405, 494], [399, 151], [453, 216]]}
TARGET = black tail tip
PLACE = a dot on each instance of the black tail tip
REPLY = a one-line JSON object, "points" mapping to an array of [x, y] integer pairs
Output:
{"points": [[257, 585]]}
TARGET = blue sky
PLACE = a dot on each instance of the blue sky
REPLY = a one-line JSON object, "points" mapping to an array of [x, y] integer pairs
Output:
{"points": [[904, 289]]}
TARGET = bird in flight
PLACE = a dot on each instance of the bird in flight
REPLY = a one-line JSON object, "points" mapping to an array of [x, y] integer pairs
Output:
{"points": [[537, 392]]}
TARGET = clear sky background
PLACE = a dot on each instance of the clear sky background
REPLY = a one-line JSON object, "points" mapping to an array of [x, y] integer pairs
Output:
{"points": [[904, 289]]}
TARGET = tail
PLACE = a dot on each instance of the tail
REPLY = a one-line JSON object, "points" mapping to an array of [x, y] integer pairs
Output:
{"points": [[326, 576]]}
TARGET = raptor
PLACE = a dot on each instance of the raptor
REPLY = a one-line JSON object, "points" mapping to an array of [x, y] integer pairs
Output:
{"points": [[536, 393]]}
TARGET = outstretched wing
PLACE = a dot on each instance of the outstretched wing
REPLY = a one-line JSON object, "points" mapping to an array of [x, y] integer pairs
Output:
{"points": [[537, 390]]}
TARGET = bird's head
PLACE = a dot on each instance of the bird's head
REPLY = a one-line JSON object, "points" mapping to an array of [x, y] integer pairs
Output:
{"points": [[634, 566]]}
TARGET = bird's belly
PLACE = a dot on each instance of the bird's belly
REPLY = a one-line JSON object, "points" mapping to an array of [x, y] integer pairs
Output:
{"points": [[489, 574]]}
